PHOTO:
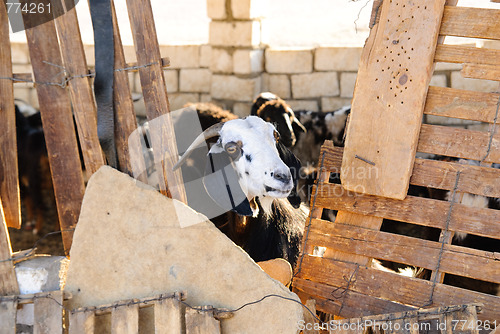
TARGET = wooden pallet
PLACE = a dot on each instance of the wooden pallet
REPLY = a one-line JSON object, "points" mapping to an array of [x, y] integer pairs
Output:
{"points": [[458, 318], [57, 45], [170, 315], [379, 163]]}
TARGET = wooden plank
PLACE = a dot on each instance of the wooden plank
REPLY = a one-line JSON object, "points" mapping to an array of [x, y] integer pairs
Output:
{"points": [[201, 322], [309, 317], [455, 260], [346, 303], [463, 104], [460, 143], [481, 71], [408, 319], [389, 98], [80, 89], [8, 312], [125, 319], [8, 280], [416, 210], [483, 181], [466, 54], [168, 316], [471, 22], [9, 174], [129, 67], [354, 219], [155, 95], [81, 322], [49, 313], [58, 126], [477, 180], [125, 118], [393, 287]]}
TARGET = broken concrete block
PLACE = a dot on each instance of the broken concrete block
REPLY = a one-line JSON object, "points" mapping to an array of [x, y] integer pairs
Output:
{"points": [[130, 243], [41, 273]]}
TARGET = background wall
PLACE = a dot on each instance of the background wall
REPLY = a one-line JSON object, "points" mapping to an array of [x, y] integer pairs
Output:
{"points": [[237, 63]]}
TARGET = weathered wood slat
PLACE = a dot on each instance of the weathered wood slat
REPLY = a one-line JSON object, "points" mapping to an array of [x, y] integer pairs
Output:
{"points": [[168, 316], [8, 280], [81, 322], [58, 126], [129, 67], [345, 302], [408, 321], [309, 316], [389, 98], [463, 104], [49, 313], [403, 249], [471, 22], [155, 95], [481, 71], [8, 310], [9, 180], [201, 322], [477, 180], [125, 118], [466, 54], [460, 143], [389, 286], [354, 219], [80, 89], [125, 319], [417, 210]]}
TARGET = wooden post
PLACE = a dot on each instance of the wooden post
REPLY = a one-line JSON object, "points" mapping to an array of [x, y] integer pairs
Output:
{"points": [[201, 322], [9, 181], [8, 310], [79, 87], [155, 94], [168, 316], [49, 313], [125, 119], [58, 126], [81, 322], [8, 280], [125, 319]]}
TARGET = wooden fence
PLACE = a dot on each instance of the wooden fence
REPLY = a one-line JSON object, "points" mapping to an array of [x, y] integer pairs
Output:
{"points": [[170, 315], [384, 134], [60, 67]]}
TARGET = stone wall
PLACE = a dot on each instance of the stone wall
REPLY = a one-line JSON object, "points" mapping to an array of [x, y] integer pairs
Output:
{"points": [[236, 65]]}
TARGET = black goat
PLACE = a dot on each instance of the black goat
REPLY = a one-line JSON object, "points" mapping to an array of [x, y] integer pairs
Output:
{"points": [[33, 164]]}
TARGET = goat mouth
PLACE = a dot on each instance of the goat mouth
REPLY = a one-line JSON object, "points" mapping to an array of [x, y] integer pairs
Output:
{"points": [[274, 190]]}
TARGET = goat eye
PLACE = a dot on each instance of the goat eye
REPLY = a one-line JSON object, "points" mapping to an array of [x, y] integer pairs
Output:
{"points": [[232, 148], [276, 135]]}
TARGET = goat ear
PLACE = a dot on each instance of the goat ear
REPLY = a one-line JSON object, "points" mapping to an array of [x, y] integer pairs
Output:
{"points": [[297, 126], [294, 164], [221, 183]]}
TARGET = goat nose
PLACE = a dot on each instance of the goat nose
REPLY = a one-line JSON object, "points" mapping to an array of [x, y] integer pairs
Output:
{"points": [[283, 177]]}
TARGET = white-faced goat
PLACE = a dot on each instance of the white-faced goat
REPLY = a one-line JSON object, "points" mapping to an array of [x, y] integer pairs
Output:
{"points": [[249, 176]]}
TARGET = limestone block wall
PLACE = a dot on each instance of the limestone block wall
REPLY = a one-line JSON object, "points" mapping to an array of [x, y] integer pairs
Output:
{"points": [[321, 78]]}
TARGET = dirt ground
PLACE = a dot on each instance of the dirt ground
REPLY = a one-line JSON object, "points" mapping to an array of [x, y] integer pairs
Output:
{"points": [[48, 239]]}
